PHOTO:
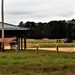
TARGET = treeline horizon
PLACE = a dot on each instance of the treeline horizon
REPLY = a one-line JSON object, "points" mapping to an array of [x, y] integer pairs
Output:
{"points": [[52, 30]]}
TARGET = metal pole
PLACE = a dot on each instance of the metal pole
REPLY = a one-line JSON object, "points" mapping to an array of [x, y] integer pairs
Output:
{"points": [[2, 25]]}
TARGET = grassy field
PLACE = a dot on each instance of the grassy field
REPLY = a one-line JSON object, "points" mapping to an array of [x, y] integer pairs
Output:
{"points": [[48, 43], [27, 62], [45, 43]]}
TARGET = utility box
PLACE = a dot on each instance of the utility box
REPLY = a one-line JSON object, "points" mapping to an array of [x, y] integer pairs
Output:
{"points": [[13, 45]]}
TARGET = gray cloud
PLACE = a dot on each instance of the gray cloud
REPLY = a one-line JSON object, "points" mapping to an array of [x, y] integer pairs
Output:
{"points": [[38, 10], [19, 13], [66, 14]]}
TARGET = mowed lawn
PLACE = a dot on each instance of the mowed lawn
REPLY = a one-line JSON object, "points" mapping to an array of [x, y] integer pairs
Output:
{"points": [[27, 62]]}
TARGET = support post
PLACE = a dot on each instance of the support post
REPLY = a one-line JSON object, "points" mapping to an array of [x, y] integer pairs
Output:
{"points": [[10, 46], [17, 39], [24, 42], [21, 42]]}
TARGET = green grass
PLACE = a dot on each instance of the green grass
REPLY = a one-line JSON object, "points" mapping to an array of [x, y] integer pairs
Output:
{"points": [[49, 43], [24, 56], [27, 62], [45, 40], [41, 41]]}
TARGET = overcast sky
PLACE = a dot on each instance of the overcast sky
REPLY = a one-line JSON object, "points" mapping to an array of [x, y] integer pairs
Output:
{"points": [[38, 10]]}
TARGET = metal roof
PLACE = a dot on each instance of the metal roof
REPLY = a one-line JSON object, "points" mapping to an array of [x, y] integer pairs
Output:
{"points": [[12, 27]]}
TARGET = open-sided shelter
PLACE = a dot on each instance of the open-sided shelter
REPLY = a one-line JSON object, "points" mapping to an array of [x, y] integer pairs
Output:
{"points": [[15, 31]]}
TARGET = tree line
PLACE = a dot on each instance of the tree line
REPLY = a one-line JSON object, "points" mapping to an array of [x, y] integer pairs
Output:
{"points": [[52, 30]]}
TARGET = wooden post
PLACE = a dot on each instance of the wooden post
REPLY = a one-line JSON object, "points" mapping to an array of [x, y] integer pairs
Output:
{"points": [[16, 48], [57, 48], [37, 49]]}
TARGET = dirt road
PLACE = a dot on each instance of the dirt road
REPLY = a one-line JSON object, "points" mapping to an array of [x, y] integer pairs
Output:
{"points": [[71, 49]]}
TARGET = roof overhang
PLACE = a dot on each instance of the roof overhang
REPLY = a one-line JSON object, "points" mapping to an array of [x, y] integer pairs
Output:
{"points": [[12, 27]]}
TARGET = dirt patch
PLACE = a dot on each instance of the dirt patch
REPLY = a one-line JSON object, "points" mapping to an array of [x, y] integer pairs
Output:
{"points": [[7, 47]]}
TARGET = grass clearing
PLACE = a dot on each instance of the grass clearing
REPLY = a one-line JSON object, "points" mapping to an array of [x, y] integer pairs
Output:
{"points": [[48, 43], [27, 62]]}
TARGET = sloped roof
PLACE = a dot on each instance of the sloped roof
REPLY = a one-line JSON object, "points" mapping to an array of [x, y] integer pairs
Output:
{"points": [[12, 27]]}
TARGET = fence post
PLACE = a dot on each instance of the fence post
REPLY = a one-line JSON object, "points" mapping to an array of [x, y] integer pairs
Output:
{"points": [[57, 48], [16, 49], [37, 49]]}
